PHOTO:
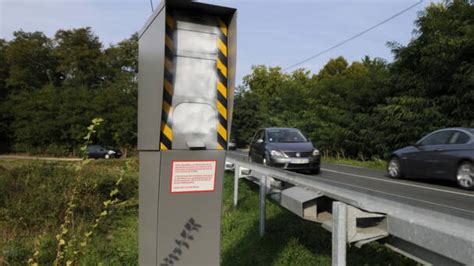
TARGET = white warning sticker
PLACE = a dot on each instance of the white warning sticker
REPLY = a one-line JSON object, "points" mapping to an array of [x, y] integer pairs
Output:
{"points": [[193, 176]]}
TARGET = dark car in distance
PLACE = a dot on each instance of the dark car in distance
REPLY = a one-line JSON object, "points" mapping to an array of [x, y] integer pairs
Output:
{"points": [[232, 145], [99, 151], [443, 154], [285, 148]]}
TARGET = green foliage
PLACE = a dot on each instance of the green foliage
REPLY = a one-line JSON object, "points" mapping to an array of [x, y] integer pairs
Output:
{"points": [[439, 63], [30, 61], [246, 116], [4, 68], [401, 120], [369, 108], [118, 242], [51, 88], [5, 132], [374, 164], [288, 240], [21, 186], [333, 68], [34, 195], [78, 52]]}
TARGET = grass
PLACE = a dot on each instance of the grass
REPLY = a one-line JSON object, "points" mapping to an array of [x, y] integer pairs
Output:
{"points": [[34, 197], [374, 164], [288, 240], [33, 200]]}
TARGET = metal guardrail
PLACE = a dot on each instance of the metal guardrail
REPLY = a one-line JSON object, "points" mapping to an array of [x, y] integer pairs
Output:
{"points": [[425, 235]]}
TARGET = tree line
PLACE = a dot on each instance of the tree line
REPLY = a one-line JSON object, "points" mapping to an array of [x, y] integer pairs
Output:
{"points": [[51, 88], [368, 108]]}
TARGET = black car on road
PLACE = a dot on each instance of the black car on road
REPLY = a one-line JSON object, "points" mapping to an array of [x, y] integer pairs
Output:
{"points": [[443, 154], [99, 151], [285, 148], [232, 145]]}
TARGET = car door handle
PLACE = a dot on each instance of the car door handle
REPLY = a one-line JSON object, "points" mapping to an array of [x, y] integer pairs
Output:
{"points": [[438, 149]]}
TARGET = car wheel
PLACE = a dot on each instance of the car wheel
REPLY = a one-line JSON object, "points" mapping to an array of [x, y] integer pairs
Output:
{"points": [[107, 156], [394, 170], [465, 175], [314, 171]]}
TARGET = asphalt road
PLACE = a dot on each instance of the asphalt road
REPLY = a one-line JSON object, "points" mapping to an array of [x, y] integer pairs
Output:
{"points": [[444, 197]]}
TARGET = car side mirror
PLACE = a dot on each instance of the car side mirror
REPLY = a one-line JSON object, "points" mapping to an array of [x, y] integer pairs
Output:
{"points": [[259, 140]]}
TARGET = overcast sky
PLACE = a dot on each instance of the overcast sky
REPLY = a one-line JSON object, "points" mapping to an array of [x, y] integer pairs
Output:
{"points": [[275, 33]]}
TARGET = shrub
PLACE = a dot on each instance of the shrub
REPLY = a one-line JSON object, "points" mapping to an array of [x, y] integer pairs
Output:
{"points": [[34, 197]]}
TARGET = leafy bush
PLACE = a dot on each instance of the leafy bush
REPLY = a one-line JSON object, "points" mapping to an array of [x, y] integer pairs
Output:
{"points": [[57, 150], [370, 107], [35, 195]]}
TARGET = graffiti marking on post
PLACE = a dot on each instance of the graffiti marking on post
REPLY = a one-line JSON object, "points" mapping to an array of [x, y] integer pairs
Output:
{"points": [[182, 242]]}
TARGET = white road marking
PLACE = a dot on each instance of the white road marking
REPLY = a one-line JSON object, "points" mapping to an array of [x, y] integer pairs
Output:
{"points": [[391, 194], [400, 183], [388, 181]]}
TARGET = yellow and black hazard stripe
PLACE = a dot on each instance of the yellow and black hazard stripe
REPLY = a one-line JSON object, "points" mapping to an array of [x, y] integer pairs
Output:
{"points": [[166, 136], [221, 103]]}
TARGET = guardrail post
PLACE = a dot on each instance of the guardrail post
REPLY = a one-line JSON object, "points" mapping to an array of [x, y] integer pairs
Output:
{"points": [[339, 234], [236, 184], [263, 192]]}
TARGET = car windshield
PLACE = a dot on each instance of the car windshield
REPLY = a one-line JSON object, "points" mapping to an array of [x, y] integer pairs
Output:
{"points": [[93, 147], [285, 136]]}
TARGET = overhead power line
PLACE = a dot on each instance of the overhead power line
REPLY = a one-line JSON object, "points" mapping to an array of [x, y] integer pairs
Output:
{"points": [[151, 4], [354, 36]]}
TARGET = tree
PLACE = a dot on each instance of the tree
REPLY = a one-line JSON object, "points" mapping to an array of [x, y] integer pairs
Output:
{"points": [[401, 121], [78, 52], [333, 67], [30, 61], [118, 106], [50, 89], [48, 108], [439, 63], [4, 69], [76, 108], [121, 61], [246, 118], [117, 103], [35, 122], [5, 117]]}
